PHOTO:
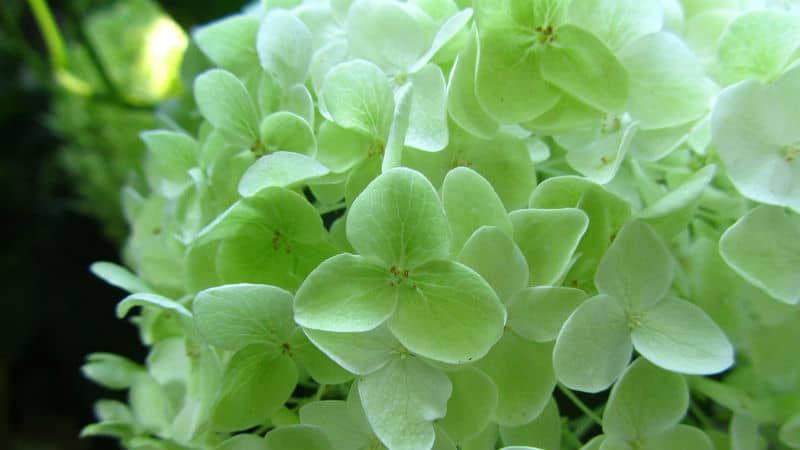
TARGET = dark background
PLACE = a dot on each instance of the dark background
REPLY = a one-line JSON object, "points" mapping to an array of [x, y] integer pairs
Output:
{"points": [[54, 311]]}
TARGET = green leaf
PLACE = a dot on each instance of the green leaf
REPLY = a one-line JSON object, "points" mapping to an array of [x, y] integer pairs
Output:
{"points": [[357, 96], [764, 248], [256, 382], [636, 269], [297, 437], [462, 104], [682, 436], [284, 47], [287, 131], [234, 316], [538, 313], [679, 336], [523, 373], [758, 44], [368, 298], [509, 63], [585, 68], [471, 405], [470, 202], [111, 371], [223, 100], [359, 353], [427, 128], [448, 313], [760, 153], [594, 345], [119, 276], [645, 401], [243, 442], [402, 399], [386, 32], [617, 23], [228, 42], [321, 367], [543, 431], [497, 259], [667, 84], [280, 169], [399, 220], [535, 232]]}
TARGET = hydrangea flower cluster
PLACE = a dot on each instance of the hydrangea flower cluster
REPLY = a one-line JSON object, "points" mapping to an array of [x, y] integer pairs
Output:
{"points": [[378, 224]]}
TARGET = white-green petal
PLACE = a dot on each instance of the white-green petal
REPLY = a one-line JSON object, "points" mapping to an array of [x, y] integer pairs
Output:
{"points": [[471, 405], [297, 437], [324, 302], [398, 219], [645, 401], [448, 313], [761, 153], [764, 248], [462, 103], [401, 401], [284, 47], [233, 316], [387, 33], [470, 202], [494, 255], [523, 373], [228, 42], [758, 44], [548, 238], [225, 102], [544, 431], [255, 384], [679, 336], [427, 127], [594, 346], [357, 95], [119, 276], [617, 23], [682, 436], [280, 169], [538, 313], [667, 84], [637, 268], [359, 353], [582, 66]]}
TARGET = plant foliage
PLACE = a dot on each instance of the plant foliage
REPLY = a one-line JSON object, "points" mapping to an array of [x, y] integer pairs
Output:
{"points": [[430, 224]]}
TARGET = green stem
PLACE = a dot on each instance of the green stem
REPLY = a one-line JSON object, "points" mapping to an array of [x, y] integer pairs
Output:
{"points": [[575, 400], [97, 62], [701, 417], [570, 437], [50, 32], [324, 209]]}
